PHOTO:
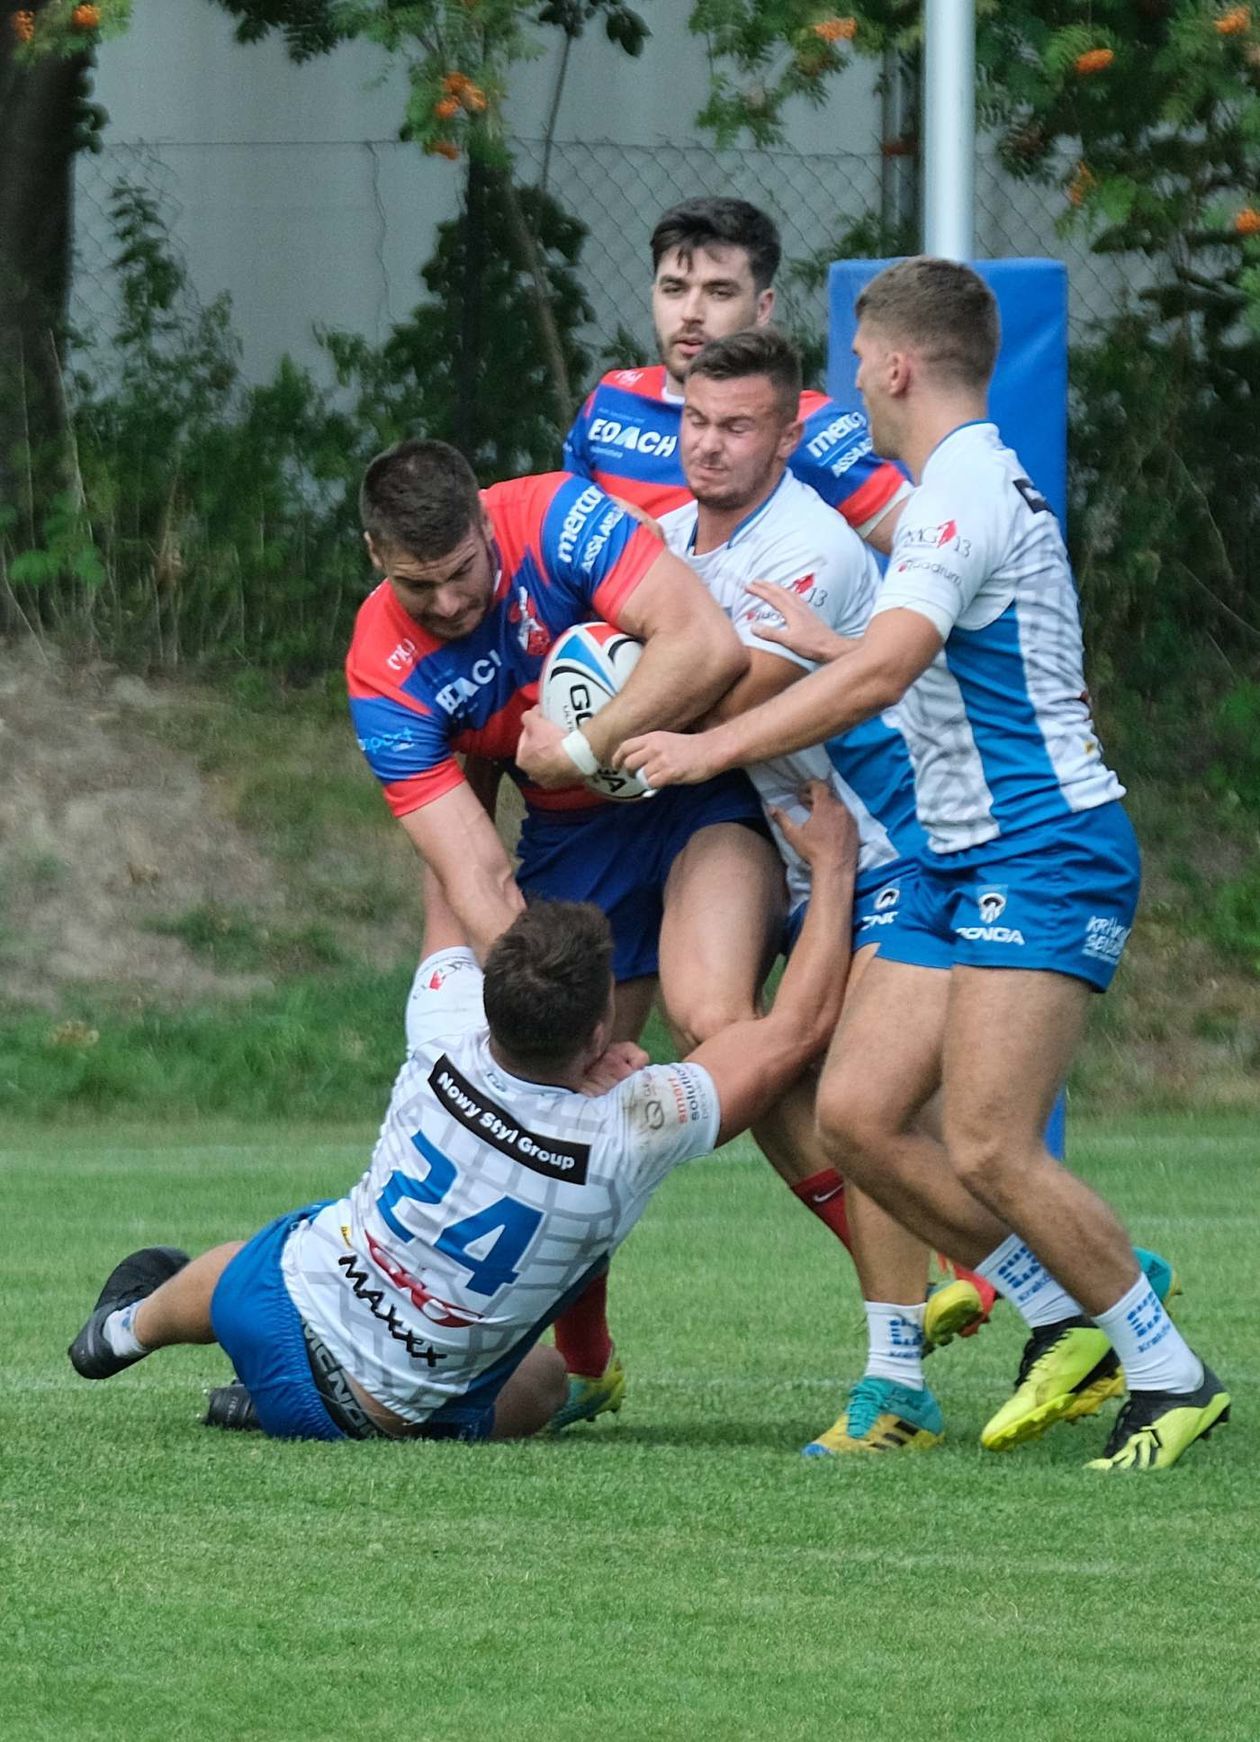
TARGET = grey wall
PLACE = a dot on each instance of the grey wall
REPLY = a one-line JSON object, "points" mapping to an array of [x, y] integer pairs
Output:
{"points": [[287, 185]]}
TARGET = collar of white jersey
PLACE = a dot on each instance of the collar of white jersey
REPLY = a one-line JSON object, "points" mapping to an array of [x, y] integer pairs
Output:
{"points": [[526, 1085], [745, 523], [985, 423]]}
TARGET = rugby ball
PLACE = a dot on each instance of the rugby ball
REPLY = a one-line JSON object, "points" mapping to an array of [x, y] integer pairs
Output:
{"points": [[585, 668]]}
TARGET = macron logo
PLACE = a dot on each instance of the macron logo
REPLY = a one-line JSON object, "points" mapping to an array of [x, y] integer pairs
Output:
{"points": [[576, 519]]}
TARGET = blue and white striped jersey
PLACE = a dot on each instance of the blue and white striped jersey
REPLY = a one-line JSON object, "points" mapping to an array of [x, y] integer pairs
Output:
{"points": [[488, 1198], [998, 726]]}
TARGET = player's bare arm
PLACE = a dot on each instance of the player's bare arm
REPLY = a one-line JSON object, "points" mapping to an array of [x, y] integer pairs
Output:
{"points": [[896, 649], [753, 1062], [461, 848], [691, 654]]}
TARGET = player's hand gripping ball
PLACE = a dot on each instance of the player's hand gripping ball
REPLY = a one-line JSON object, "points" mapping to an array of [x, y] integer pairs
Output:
{"points": [[585, 668]]}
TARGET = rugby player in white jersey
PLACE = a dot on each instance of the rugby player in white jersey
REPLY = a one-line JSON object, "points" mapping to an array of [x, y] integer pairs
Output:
{"points": [[1025, 896], [413, 1305], [752, 523]]}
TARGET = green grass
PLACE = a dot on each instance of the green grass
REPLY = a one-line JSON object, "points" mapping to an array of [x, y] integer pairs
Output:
{"points": [[681, 1573]]}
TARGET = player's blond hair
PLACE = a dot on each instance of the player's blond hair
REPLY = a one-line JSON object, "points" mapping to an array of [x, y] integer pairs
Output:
{"points": [[941, 308]]}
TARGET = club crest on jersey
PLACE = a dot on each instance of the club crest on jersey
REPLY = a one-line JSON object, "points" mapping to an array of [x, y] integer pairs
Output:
{"points": [[533, 635]]}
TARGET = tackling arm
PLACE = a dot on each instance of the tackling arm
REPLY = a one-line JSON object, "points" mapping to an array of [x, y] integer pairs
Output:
{"points": [[871, 676], [462, 851], [753, 1062]]}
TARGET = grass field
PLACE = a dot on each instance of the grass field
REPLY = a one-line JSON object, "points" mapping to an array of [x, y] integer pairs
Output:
{"points": [[680, 1573]]}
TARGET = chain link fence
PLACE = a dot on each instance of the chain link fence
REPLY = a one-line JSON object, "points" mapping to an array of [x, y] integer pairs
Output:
{"points": [[365, 211]]}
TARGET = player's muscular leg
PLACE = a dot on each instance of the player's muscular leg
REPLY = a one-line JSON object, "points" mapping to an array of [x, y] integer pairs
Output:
{"points": [[531, 1396], [1009, 1038], [881, 1071], [723, 909], [179, 1311], [891, 1261]]}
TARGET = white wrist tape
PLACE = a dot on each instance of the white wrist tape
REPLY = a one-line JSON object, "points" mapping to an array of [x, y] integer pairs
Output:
{"points": [[577, 748]]}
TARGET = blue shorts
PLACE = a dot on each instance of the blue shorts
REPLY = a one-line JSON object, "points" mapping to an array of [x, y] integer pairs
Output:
{"points": [[877, 907], [877, 911], [260, 1328], [619, 857], [1059, 899]]}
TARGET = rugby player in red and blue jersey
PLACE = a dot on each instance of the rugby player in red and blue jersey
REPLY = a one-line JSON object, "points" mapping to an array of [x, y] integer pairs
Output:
{"points": [[445, 662], [714, 262]]}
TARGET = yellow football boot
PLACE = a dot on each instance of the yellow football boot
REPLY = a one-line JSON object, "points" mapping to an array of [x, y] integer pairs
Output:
{"points": [[882, 1416]]}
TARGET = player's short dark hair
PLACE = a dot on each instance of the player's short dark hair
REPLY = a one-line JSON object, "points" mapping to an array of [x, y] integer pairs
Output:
{"points": [[943, 308], [547, 981], [420, 497], [754, 351], [703, 222]]}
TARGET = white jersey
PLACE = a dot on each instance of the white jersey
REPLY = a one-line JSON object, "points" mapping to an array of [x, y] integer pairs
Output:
{"points": [[998, 726], [795, 541], [488, 1198]]}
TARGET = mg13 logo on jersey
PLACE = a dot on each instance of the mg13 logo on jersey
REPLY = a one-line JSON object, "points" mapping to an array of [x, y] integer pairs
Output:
{"points": [[944, 535], [992, 905]]}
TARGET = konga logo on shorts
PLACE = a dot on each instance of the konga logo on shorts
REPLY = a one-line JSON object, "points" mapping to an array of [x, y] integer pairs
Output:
{"points": [[992, 905]]}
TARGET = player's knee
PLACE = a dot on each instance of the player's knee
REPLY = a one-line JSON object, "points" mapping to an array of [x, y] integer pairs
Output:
{"points": [[849, 1131], [985, 1159], [697, 1019]]}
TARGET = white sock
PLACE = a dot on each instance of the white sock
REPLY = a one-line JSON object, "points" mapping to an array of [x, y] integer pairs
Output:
{"points": [[1154, 1354], [119, 1333], [1021, 1278], [895, 1348]]}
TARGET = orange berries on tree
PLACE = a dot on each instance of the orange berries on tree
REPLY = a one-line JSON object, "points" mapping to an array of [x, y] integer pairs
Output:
{"points": [[1094, 60]]}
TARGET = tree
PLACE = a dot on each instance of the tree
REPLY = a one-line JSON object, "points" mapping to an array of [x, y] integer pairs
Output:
{"points": [[1142, 122], [458, 55], [46, 117]]}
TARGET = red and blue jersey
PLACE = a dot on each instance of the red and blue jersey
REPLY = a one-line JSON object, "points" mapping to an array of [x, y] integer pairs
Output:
{"points": [[565, 553], [626, 438]]}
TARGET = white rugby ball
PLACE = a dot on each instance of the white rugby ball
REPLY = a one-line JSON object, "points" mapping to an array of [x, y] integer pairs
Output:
{"points": [[585, 668]]}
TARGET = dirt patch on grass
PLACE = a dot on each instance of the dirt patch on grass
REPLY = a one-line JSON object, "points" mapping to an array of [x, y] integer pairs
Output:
{"points": [[124, 859]]}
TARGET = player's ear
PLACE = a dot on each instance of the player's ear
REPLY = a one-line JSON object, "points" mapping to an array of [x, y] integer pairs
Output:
{"points": [[765, 305], [374, 555], [898, 369], [790, 439]]}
